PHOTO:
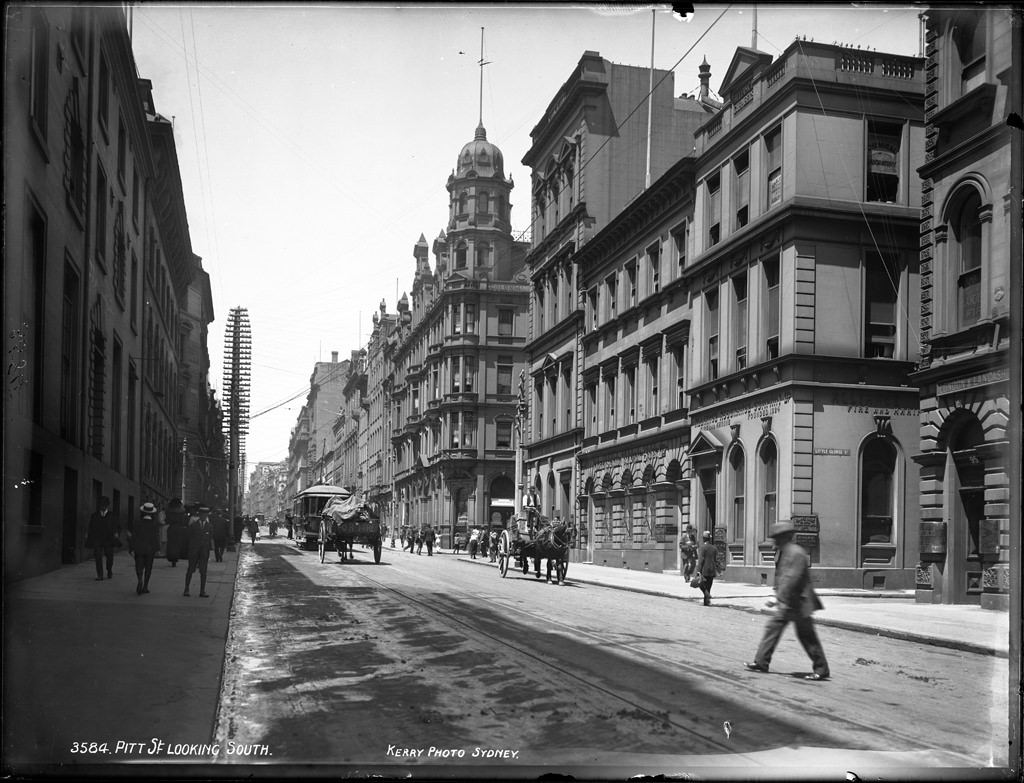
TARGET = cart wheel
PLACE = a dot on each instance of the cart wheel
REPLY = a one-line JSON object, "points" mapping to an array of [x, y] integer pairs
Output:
{"points": [[322, 542], [504, 552]]}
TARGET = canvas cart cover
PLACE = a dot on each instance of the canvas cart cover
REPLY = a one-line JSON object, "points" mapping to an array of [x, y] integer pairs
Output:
{"points": [[340, 509]]}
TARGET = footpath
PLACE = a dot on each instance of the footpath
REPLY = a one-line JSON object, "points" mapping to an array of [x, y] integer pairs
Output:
{"points": [[95, 674]]}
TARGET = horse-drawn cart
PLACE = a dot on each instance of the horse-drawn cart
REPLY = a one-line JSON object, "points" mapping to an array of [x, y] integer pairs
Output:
{"points": [[346, 522], [531, 537]]}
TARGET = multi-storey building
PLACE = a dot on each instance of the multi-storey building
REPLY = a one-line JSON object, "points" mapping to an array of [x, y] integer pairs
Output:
{"points": [[351, 426], [378, 466], [966, 253], [591, 153], [458, 347], [311, 446], [97, 263], [266, 494], [804, 277]]}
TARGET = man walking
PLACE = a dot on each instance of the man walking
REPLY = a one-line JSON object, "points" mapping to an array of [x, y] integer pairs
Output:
{"points": [[221, 533], [706, 566], [200, 534], [101, 536], [428, 539], [795, 601], [145, 543]]}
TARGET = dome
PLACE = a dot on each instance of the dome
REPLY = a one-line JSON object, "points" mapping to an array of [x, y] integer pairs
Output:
{"points": [[480, 156]]}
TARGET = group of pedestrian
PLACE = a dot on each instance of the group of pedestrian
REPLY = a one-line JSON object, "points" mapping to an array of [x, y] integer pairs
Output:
{"points": [[190, 537]]}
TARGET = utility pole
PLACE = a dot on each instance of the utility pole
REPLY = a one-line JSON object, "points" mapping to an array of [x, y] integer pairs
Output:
{"points": [[519, 432], [237, 363]]}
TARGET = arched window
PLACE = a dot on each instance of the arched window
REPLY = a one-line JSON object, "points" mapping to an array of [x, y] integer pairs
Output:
{"points": [[769, 467], [460, 256], [483, 203], [462, 203], [966, 254], [877, 499], [737, 476]]}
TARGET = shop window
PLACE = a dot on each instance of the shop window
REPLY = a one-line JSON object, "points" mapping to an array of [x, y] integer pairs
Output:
{"points": [[741, 189], [773, 167], [878, 469], [772, 308], [711, 331], [768, 455], [739, 320], [883, 159], [714, 209], [966, 251], [881, 287], [737, 487]]}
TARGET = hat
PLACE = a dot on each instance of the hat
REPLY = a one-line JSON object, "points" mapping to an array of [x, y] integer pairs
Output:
{"points": [[781, 529], [204, 509], [707, 535], [148, 508]]}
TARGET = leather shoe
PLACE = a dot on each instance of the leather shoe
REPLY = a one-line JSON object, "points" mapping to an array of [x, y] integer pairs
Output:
{"points": [[816, 677], [756, 667], [204, 595]]}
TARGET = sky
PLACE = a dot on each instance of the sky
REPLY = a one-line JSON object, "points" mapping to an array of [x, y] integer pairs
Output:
{"points": [[315, 141]]}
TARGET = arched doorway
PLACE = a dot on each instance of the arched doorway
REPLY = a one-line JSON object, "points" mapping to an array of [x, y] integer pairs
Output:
{"points": [[965, 498], [502, 494]]}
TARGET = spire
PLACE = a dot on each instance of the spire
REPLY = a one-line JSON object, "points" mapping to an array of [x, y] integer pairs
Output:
{"points": [[481, 63]]}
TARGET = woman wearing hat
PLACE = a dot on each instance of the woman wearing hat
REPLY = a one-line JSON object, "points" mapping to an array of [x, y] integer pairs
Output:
{"points": [[145, 543]]}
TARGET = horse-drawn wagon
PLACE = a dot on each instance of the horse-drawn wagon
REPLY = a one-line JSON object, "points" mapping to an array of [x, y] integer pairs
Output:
{"points": [[532, 537], [307, 510], [346, 522]]}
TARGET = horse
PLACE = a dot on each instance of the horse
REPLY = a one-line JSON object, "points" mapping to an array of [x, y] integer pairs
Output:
{"points": [[552, 544]]}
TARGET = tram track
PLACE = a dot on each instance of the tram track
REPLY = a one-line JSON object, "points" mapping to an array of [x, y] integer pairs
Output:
{"points": [[778, 698]]}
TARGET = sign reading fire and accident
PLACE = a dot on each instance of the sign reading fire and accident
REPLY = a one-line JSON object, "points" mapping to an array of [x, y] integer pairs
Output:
{"points": [[807, 529]]}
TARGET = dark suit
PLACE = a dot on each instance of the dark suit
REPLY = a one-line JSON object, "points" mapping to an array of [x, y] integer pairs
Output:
{"points": [[707, 569], [221, 532], [797, 601], [103, 530], [200, 535], [145, 544]]}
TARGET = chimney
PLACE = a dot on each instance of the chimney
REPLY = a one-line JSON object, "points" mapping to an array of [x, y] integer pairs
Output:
{"points": [[705, 77], [334, 357]]}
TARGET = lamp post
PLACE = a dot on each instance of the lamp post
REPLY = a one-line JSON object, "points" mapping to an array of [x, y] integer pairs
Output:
{"points": [[519, 425]]}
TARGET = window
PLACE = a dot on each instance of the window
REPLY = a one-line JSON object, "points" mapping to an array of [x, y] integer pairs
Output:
{"points": [[468, 429], [883, 158], [483, 204], [651, 368], [714, 207], [538, 293], [769, 485], [69, 349], [503, 435], [878, 468], [74, 139], [590, 401], [631, 283], [122, 150], [116, 382], [739, 323], [456, 374], [611, 287], [554, 298], [771, 311], [34, 302], [463, 200], [741, 189], [609, 402], [629, 393], [737, 485], [457, 318], [460, 256], [483, 254], [135, 198], [678, 370], [97, 395], [680, 238], [773, 166], [102, 194], [654, 268], [505, 322], [120, 261], [711, 332], [966, 254], [469, 370], [881, 289], [470, 327], [592, 313], [709, 492], [103, 89], [39, 71], [969, 40], [504, 375]]}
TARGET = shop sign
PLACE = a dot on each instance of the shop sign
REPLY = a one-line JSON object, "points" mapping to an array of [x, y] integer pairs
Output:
{"points": [[973, 381], [806, 530], [750, 411]]}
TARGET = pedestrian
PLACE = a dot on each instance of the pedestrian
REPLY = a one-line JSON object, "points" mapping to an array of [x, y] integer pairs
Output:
{"points": [[177, 532], [485, 539], [221, 533], [419, 541], [457, 544], [239, 527], [688, 551], [253, 528], [428, 538], [795, 601], [200, 534], [706, 566], [145, 542], [493, 545], [474, 542], [288, 524], [102, 536]]}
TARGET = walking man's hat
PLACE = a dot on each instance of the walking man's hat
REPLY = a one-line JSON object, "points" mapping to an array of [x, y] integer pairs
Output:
{"points": [[781, 529]]}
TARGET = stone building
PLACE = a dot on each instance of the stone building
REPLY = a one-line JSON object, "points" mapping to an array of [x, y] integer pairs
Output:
{"points": [[965, 315], [311, 444], [97, 265], [378, 466], [804, 281]]}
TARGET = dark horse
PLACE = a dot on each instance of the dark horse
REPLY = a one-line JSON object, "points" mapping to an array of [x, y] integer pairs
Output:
{"points": [[551, 544]]}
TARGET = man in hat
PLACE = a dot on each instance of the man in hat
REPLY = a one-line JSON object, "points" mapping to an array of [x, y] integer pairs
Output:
{"points": [[706, 565], [145, 543], [102, 537], [795, 601], [200, 534]]}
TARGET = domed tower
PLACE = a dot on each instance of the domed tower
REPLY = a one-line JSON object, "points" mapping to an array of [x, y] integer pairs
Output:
{"points": [[479, 224]]}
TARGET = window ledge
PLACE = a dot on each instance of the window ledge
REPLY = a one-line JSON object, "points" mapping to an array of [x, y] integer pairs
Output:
{"points": [[979, 100]]}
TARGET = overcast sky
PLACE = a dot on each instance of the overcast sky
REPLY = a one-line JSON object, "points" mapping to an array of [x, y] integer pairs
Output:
{"points": [[315, 141]]}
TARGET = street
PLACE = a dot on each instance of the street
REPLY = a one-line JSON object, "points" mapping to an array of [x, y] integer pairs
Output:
{"points": [[438, 661]]}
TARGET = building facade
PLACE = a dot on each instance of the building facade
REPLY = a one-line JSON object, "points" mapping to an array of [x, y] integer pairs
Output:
{"points": [[966, 253], [97, 265], [378, 466], [586, 166], [459, 345], [804, 278]]}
